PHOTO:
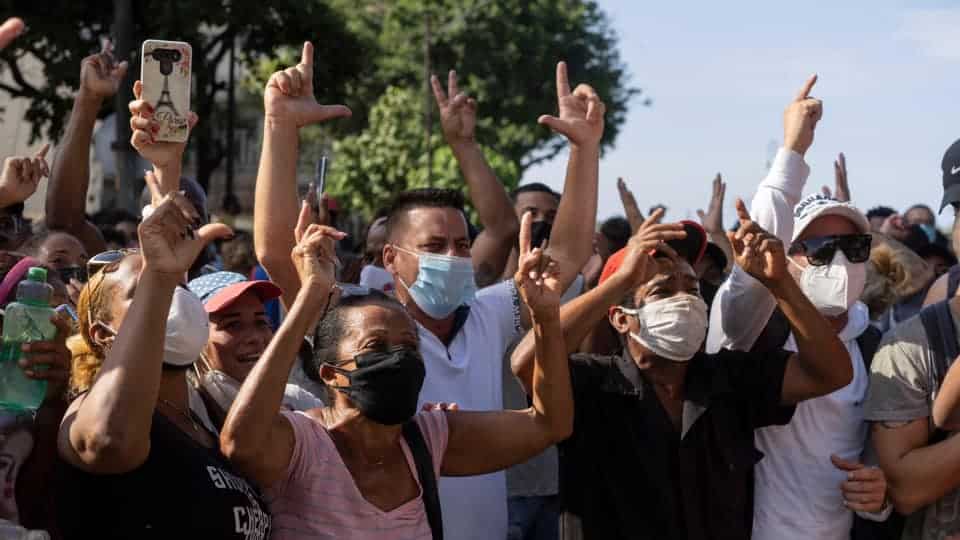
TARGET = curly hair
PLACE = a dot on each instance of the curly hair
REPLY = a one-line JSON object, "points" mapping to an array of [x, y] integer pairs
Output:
{"points": [[93, 305]]}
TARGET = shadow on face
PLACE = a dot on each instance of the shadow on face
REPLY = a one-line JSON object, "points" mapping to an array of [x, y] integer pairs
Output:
{"points": [[363, 329], [113, 297], [61, 250], [239, 333], [543, 206], [675, 277], [437, 230], [822, 226]]}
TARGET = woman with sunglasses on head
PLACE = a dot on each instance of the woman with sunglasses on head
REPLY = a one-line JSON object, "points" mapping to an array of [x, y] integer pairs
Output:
{"points": [[136, 440], [365, 467]]}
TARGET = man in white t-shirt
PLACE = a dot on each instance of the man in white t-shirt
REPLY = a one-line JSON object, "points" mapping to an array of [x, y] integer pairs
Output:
{"points": [[810, 479], [463, 336]]}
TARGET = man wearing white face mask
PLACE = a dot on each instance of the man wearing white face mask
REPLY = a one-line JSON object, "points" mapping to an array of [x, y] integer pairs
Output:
{"points": [[663, 434], [811, 479]]}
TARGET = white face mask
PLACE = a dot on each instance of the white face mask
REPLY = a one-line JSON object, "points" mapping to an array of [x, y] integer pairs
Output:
{"points": [[835, 287], [673, 328], [188, 328]]}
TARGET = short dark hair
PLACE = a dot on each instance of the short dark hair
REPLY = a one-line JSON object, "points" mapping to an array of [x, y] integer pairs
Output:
{"points": [[533, 187], [880, 212], [617, 231], [920, 206], [422, 198], [332, 327]]}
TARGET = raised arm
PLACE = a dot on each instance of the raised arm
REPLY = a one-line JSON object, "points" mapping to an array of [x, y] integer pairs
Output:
{"points": [[21, 176], [458, 119], [712, 219], [289, 104], [256, 438], [579, 316], [107, 431], [581, 122], [630, 208], [742, 307], [166, 157], [483, 442], [821, 364], [100, 78]]}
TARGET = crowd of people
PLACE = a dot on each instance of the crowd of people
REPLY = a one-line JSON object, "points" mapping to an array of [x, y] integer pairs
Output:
{"points": [[525, 377]]}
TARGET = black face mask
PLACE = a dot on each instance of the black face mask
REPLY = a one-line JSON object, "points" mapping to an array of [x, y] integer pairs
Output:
{"points": [[386, 385], [539, 233]]}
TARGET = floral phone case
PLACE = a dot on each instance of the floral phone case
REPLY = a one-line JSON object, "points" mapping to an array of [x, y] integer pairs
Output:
{"points": [[165, 73]]}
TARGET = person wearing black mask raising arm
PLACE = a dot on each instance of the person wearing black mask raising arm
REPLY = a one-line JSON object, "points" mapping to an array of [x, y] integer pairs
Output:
{"points": [[663, 446], [353, 470]]}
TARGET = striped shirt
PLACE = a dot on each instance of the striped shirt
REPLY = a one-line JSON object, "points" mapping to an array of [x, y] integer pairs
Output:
{"points": [[318, 499]]}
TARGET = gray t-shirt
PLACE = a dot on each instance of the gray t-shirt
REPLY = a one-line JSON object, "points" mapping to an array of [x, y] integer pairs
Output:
{"points": [[904, 382]]}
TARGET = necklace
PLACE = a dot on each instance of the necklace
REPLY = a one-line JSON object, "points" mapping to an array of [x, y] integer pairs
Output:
{"points": [[183, 413]]}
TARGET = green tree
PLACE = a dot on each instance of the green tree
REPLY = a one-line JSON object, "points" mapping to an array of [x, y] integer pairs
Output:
{"points": [[61, 32], [369, 168], [505, 52]]}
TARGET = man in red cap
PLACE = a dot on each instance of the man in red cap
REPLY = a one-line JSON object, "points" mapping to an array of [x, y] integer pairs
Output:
{"points": [[663, 433]]}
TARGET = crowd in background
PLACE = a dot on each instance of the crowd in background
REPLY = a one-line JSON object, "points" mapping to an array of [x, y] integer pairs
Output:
{"points": [[784, 375]]}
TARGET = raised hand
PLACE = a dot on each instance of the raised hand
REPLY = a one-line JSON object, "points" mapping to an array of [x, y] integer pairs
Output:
{"points": [[289, 95], [638, 265], [50, 360], [895, 228], [865, 489], [315, 255], [101, 75], [9, 30], [800, 119], [21, 176], [712, 220], [458, 112], [630, 208], [145, 128], [169, 238], [536, 276], [841, 191], [581, 112], [758, 252]]}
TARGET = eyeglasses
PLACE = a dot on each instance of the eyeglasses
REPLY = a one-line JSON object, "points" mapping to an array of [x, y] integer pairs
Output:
{"points": [[100, 260], [820, 250]]}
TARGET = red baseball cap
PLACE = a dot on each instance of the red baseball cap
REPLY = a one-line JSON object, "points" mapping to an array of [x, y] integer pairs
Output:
{"points": [[690, 248], [219, 290]]}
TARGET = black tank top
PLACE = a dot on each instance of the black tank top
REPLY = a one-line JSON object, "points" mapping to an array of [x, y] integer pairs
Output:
{"points": [[183, 490]]}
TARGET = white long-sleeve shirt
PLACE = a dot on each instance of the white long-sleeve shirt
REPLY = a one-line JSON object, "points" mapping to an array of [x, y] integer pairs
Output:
{"points": [[796, 487]]}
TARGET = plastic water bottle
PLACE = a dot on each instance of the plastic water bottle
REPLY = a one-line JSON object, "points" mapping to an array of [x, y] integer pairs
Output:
{"points": [[26, 320]]}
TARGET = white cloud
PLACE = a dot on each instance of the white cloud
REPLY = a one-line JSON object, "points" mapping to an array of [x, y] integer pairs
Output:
{"points": [[935, 31]]}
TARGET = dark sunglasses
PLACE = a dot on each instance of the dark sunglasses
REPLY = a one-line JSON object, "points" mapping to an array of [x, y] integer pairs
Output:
{"points": [[100, 260], [820, 250]]}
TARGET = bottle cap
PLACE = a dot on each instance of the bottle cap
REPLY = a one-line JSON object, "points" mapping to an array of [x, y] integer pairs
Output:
{"points": [[37, 274]]}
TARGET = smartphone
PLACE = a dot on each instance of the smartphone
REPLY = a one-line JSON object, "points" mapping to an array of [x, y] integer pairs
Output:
{"points": [[165, 73], [320, 179]]}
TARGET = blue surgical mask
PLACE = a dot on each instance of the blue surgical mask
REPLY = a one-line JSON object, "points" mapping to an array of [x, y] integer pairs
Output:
{"points": [[443, 283], [930, 231]]}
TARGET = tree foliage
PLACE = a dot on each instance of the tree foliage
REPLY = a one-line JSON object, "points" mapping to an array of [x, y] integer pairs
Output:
{"points": [[371, 167], [61, 32], [505, 52]]}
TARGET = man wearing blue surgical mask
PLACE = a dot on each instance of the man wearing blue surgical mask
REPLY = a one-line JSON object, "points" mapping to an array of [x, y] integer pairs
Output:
{"points": [[464, 333], [811, 479]]}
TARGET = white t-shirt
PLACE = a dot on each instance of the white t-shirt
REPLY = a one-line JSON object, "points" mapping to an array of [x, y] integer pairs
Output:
{"points": [[375, 277], [470, 373], [796, 487]]}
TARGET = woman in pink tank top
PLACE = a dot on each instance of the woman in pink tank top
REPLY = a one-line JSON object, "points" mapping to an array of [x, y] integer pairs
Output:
{"points": [[345, 471]]}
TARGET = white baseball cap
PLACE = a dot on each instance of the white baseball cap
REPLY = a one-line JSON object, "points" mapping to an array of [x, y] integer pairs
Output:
{"points": [[819, 205]]}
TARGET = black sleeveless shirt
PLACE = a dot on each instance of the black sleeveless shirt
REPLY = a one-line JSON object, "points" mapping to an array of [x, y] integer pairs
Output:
{"points": [[183, 490]]}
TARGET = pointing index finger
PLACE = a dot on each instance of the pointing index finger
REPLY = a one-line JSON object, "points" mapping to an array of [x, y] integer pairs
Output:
{"points": [[438, 91], [563, 83], [525, 233], [742, 212], [306, 57], [807, 87], [452, 88]]}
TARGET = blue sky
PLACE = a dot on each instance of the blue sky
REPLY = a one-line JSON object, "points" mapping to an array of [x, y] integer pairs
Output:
{"points": [[721, 73]]}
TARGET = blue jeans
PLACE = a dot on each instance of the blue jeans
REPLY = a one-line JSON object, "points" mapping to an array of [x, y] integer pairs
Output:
{"points": [[534, 518]]}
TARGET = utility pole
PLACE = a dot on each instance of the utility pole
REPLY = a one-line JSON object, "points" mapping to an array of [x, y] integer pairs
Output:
{"points": [[427, 102], [126, 158]]}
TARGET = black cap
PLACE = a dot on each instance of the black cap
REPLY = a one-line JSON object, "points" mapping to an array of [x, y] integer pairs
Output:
{"points": [[951, 175]]}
